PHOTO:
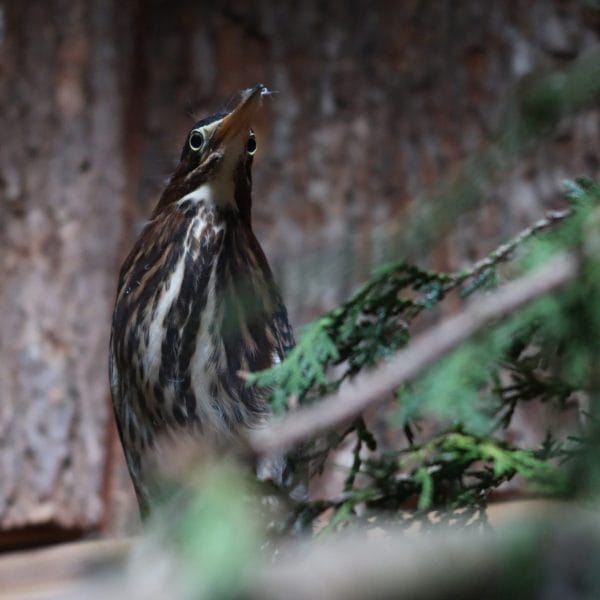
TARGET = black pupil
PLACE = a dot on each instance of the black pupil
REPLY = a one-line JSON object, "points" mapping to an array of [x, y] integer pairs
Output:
{"points": [[196, 140], [251, 146]]}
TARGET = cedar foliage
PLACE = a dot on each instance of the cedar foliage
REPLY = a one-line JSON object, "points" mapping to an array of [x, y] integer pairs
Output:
{"points": [[537, 355]]}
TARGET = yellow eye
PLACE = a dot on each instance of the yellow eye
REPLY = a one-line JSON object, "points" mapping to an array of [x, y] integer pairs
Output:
{"points": [[196, 141], [251, 145]]}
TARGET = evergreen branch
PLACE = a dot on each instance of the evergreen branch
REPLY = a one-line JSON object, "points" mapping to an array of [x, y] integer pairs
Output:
{"points": [[453, 470], [374, 386], [373, 324]]}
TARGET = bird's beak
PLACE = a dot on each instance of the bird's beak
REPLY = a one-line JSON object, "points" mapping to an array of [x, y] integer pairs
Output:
{"points": [[241, 117]]}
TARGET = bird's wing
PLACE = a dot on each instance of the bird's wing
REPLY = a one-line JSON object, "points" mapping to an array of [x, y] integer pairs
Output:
{"points": [[285, 333]]}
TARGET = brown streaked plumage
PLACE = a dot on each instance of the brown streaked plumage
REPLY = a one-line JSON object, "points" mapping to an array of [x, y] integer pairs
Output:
{"points": [[196, 302]]}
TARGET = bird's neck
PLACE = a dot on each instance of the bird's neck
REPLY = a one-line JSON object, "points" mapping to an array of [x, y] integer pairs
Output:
{"points": [[227, 196], [216, 197]]}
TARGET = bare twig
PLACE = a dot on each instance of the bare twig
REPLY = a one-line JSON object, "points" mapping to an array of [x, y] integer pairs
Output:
{"points": [[504, 252], [374, 386]]}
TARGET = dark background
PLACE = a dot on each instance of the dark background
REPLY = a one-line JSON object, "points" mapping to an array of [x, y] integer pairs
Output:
{"points": [[377, 103]]}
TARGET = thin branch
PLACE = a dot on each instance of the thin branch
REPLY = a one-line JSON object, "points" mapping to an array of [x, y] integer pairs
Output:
{"points": [[504, 252], [374, 386]]}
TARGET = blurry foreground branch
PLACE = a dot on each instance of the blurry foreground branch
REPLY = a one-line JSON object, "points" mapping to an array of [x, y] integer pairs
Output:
{"points": [[446, 564], [533, 552]]}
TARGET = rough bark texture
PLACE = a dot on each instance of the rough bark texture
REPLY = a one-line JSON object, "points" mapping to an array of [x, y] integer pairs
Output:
{"points": [[377, 101], [61, 196]]}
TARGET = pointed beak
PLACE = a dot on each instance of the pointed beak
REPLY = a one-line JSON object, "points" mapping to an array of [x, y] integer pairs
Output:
{"points": [[241, 117]]}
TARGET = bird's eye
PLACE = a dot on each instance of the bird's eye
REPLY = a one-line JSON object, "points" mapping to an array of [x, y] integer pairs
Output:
{"points": [[251, 145], [196, 141]]}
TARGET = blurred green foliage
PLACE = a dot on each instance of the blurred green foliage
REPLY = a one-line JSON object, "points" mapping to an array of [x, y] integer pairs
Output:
{"points": [[541, 354], [205, 540]]}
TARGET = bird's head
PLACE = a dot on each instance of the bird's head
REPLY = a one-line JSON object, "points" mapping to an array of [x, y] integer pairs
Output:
{"points": [[216, 160]]}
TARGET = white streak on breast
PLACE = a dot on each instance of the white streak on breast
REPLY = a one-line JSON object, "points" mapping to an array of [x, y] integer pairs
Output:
{"points": [[198, 195], [203, 369], [152, 356]]}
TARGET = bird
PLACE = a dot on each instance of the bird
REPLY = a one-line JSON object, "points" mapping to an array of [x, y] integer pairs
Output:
{"points": [[196, 304]]}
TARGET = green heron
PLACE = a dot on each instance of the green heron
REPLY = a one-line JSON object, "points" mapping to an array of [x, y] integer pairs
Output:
{"points": [[196, 304]]}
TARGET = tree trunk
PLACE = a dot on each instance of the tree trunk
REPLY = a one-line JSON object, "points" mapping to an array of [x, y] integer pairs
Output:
{"points": [[62, 198]]}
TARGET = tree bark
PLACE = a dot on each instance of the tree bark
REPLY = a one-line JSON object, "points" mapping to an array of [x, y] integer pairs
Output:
{"points": [[62, 196]]}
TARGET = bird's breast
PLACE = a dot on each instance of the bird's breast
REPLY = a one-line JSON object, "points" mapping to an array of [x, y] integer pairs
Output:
{"points": [[207, 320]]}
